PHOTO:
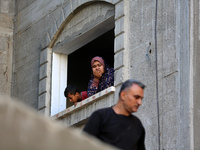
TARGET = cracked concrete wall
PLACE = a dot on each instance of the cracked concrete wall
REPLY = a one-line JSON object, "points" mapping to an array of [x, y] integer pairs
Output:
{"points": [[173, 70], [6, 45]]}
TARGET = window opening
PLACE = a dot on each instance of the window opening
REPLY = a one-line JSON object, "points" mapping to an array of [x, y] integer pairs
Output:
{"points": [[79, 70]]}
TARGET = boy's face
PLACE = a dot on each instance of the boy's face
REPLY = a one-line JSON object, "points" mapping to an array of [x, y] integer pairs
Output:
{"points": [[73, 98]]}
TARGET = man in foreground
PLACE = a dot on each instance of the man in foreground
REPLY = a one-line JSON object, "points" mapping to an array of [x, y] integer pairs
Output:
{"points": [[116, 125]]}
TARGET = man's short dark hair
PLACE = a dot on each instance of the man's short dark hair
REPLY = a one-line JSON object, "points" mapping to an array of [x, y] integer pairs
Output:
{"points": [[128, 83], [71, 89]]}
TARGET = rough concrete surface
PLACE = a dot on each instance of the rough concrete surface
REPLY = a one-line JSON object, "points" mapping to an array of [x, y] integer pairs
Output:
{"points": [[6, 45]]}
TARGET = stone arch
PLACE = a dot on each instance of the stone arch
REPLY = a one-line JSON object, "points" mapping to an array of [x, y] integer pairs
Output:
{"points": [[55, 30], [81, 21]]}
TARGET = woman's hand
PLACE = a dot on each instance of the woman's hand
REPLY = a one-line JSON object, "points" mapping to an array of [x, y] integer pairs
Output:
{"points": [[97, 74]]}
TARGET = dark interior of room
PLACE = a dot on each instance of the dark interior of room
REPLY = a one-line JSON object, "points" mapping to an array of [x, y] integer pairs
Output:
{"points": [[79, 68]]}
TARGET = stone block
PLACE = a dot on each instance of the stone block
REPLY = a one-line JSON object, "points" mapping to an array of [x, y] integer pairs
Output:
{"points": [[119, 43], [138, 55], [58, 16], [20, 56], [119, 10], [43, 71], [148, 109], [45, 56], [149, 11], [43, 86], [110, 101], [25, 73], [119, 26], [170, 101], [53, 30], [60, 19], [6, 6], [44, 112], [118, 76], [83, 2], [39, 10], [116, 95], [35, 81], [108, 1], [6, 21], [119, 60], [171, 37], [29, 97], [73, 118], [170, 11], [3, 43], [116, 1], [170, 129], [67, 9], [81, 114], [170, 62], [2, 75], [170, 83], [44, 101], [45, 41], [75, 4], [3, 57], [20, 5], [151, 128], [25, 86]]}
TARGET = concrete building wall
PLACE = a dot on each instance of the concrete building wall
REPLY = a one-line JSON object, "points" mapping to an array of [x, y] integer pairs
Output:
{"points": [[37, 26], [6, 44], [173, 69], [33, 20], [195, 72]]}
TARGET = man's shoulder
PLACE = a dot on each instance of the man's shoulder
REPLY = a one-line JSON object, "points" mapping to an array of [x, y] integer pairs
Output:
{"points": [[103, 111], [106, 109], [136, 119]]}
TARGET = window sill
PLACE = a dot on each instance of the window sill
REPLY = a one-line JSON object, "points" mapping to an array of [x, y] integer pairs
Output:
{"points": [[84, 103]]}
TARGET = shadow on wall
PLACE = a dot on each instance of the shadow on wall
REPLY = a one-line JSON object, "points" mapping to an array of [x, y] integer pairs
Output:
{"points": [[23, 128]]}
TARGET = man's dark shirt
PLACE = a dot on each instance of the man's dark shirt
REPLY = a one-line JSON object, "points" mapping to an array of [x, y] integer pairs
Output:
{"points": [[124, 132]]}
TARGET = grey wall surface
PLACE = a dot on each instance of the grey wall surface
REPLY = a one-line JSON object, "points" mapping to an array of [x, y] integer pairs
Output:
{"points": [[195, 70], [173, 69], [33, 19], [6, 44]]}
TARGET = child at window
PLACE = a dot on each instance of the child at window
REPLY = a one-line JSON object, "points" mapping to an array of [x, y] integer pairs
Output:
{"points": [[74, 95], [102, 76]]}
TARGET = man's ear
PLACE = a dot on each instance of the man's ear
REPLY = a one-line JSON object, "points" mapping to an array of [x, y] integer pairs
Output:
{"points": [[123, 95], [77, 94]]}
